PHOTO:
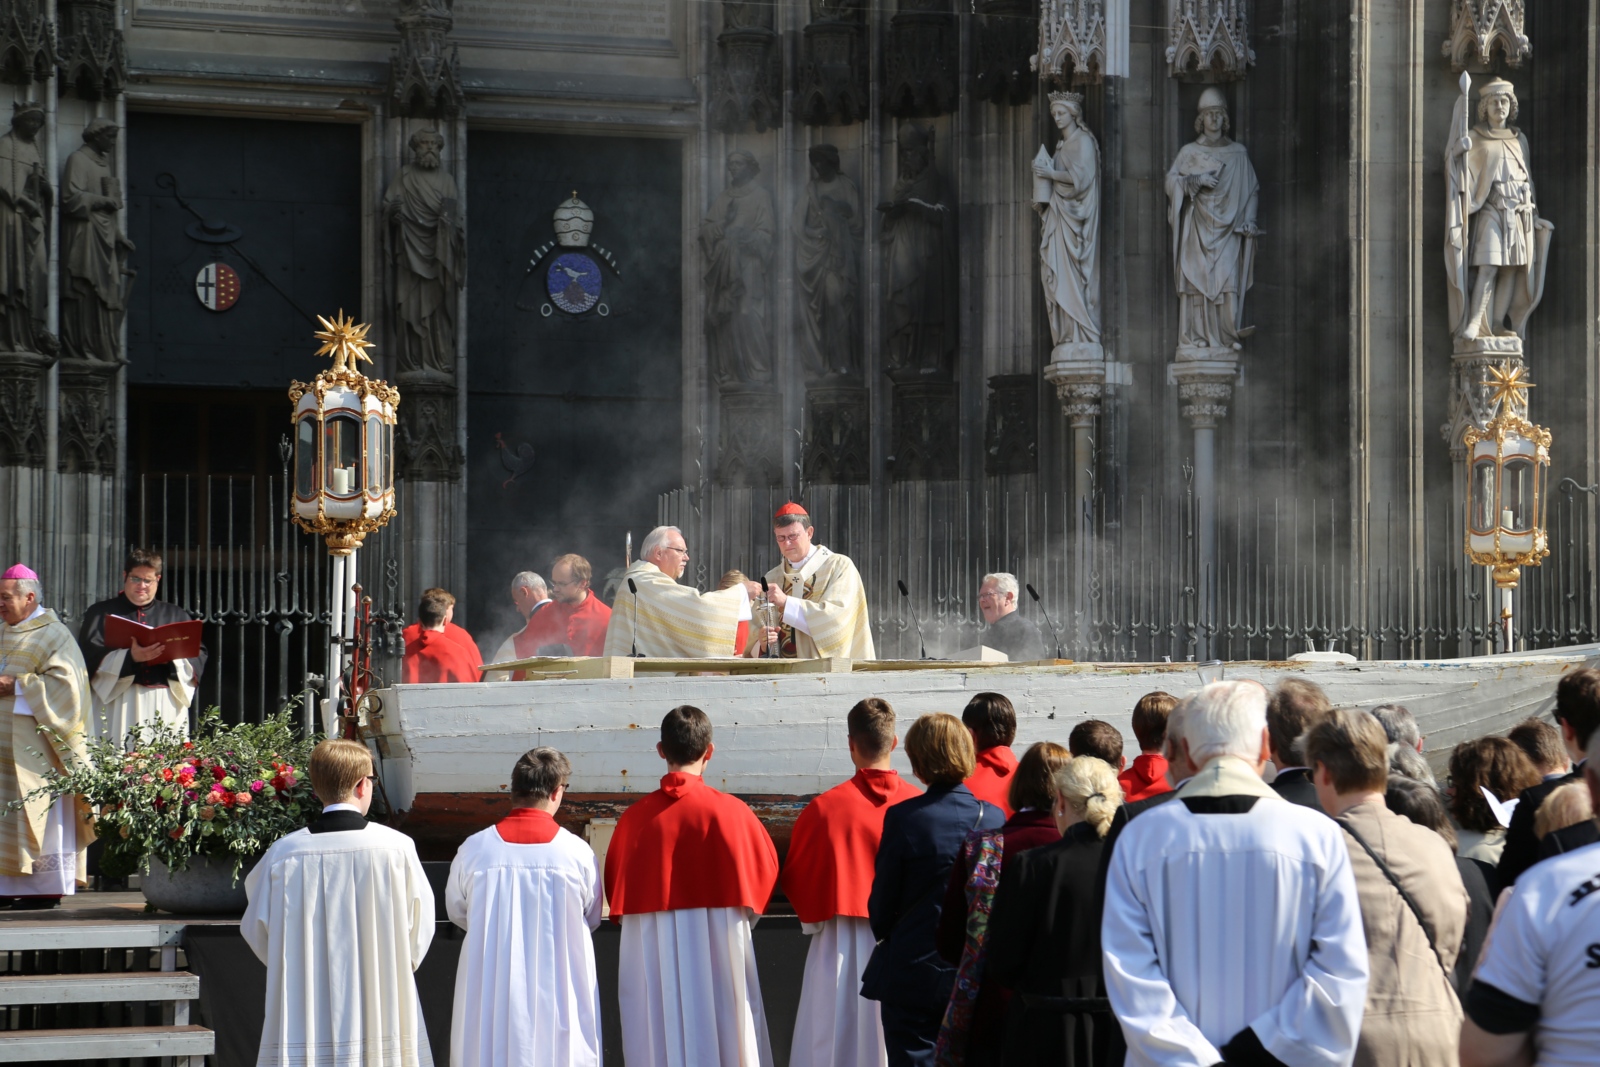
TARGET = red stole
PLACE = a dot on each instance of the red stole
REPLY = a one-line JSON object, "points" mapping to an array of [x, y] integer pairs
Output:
{"points": [[527, 826], [688, 845], [435, 658], [991, 780], [832, 851]]}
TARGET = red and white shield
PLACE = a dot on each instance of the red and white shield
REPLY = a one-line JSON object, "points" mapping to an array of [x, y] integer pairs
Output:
{"points": [[217, 286]]}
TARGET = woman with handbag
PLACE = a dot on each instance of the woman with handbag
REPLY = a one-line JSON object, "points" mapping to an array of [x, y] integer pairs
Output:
{"points": [[921, 838]]}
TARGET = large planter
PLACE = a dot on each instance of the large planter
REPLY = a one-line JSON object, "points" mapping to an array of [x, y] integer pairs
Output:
{"points": [[206, 887]]}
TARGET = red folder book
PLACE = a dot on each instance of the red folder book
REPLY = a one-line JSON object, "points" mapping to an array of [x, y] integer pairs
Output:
{"points": [[182, 639]]}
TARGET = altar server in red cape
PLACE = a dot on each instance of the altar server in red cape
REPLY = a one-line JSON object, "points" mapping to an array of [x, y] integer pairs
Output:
{"points": [[828, 877], [434, 657], [688, 871], [455, 633], [992, 721]]}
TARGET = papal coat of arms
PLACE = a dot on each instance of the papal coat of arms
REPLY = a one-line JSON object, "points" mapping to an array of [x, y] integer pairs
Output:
{"points": [[573, 278]]}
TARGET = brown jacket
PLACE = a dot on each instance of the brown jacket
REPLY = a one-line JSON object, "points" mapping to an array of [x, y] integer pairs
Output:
{"points": [[1413, 1018]]}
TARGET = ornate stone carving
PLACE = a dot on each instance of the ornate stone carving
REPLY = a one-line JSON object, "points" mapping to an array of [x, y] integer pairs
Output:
{"points": [[925, 432], [93, 59], [22, 409], [27, 45], [1005, 37], [1209, 39], [95, 279], [425, 73], [832, 87], [921, 60], [86, 424], [1080, 385], [1011, 433], [748, 439], [1212, 190], [1496, 246], [1072, 40], [838, 447], [1474, 395], [426, 243], [428, 447], [1478, 26], [737, 239], [918, 242], [828, 227], [1067, 198], [747, 81], [1204, 389], [25, 200]]}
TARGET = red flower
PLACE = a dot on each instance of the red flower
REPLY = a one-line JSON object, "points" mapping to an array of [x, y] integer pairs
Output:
{"points": [[177, 834], [186, 774], [188, 744], [218, 774], [280, 783], [166, 774], [227, 800]]}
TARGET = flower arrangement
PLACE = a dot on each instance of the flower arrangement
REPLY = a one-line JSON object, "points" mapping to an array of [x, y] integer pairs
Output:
{"points": [[226, 793]]}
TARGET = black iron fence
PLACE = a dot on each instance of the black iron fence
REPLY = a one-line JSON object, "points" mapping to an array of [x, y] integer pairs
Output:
{"points": [[1290, 575]]}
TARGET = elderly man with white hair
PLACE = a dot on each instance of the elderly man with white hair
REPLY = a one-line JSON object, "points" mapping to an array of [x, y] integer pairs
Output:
{"points": [[655, 616], [531, 595], [1008, 631], [1232, 930]]}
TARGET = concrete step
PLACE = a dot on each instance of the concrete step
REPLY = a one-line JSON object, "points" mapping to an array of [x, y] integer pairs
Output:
{"points": [[118, 1042], [25, 936], [98, 988]]}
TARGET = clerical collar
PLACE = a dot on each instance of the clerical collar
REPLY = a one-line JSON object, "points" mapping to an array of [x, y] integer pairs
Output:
{"points": [[38, 610], [326, 808], [797, 566]]}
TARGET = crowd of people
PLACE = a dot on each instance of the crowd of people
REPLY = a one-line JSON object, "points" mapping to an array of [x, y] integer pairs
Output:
{"points": [[1272, 881]]}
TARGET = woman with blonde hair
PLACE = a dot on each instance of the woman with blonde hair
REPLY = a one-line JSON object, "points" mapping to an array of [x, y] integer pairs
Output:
{"points": [[921, 838], [1044, 932]]}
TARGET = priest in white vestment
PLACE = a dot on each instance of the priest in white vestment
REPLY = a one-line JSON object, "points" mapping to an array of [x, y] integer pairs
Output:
{"points": [[820, 593], [527, 892], [44, 702], [673, 620], [341, 913], [1232, 929]]}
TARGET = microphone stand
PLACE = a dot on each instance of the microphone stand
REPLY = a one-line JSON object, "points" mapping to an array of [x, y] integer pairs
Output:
{"points": [[1060, 652], [922, 643], [634, 589]]}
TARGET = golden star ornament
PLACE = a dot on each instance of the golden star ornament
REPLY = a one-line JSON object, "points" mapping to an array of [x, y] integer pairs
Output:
{"points": [[345, 340], [1510, 384]]}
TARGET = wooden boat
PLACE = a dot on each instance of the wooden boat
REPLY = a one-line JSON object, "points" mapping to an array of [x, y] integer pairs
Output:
{"points": [[447, 750]]}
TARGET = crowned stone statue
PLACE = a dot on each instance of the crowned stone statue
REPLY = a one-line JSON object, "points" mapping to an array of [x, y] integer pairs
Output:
{"points": [[1496, 245], [1067, 198], [1211, 194]]}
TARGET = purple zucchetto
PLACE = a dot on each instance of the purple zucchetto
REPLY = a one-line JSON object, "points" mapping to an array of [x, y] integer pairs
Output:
{"points": [[19, 572]]}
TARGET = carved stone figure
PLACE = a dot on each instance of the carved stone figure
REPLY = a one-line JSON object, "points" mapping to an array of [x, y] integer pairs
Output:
{"points": [[917, 243], [94, 252], [736, 238], [1211, 193], [1069, 238], [1496, 245], [24, 260], [428, 248], [828, 229]]}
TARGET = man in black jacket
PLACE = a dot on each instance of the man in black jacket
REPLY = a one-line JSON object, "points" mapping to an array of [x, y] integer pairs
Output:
{"points": [[1577, 714], [1295, 706]]}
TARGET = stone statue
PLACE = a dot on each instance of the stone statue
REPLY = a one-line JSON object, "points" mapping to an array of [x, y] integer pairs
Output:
{"points": [[736, 237], [828, 229], [94, 252], [917, 243], [1068, 202], [1211, 192], [1496, 245], [428, 247], [24, 259]]}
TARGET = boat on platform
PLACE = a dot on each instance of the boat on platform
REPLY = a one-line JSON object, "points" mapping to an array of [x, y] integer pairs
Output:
{"points": [[446, 751]]}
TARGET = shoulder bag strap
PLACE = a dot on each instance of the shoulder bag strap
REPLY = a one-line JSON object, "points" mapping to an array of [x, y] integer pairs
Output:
{"points": [[1411, 902]]}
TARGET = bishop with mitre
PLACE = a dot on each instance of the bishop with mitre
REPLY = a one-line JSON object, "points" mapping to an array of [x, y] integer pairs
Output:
{"points": [[828, 877], [130, 687], [688, 871], [44, 696], [820, 593], [656, 616]]}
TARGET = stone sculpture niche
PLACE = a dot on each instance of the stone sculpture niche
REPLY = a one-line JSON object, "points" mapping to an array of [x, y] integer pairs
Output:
{"points": [[747, 79], [828, 228], [95, 279], [832, 87], [25, 202], [917, 242], [427, 246]]}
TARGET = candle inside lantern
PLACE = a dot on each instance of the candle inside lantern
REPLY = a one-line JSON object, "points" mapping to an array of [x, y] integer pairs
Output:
{"points": [[1505, 520], [341, 481]]}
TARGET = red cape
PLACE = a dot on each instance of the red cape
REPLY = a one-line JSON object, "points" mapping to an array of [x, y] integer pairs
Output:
{"points": [[582, 627], [1146, 778], [829, 868], [991, 781], [688, 845], [433, 657], [453, 632], [527, 826]]}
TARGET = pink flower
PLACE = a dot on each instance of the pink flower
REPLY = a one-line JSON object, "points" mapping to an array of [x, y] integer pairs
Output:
{"points": [[146, 779], [190, 795], [186, 774], [257, 785]]}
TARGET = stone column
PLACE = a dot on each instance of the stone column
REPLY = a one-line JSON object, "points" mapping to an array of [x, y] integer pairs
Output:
{"points": [[1204, 389], [1079, 375]]}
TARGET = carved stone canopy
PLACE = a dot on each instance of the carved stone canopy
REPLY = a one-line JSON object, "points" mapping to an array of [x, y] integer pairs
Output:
{"points": [[425, 73], [922, 60], [1209, 40], [832, 87], [838, 446], [27, 47], [925, 432], [1479, 27], [1011, 431], [1071, 46], [747, 87], [93, 60], [1006, 34]]}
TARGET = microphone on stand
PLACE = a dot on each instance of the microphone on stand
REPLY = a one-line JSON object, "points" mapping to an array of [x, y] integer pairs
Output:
{"points": [[1060, 652], [634, 589], [907, 594]]}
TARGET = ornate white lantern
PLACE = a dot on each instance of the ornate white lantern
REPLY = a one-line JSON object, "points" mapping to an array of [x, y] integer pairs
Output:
{"points": [[1508, 468], [343, 443]]}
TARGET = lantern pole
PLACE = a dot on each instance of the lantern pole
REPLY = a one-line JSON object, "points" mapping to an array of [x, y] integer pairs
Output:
{"points": [[1505, 619], [335, 644]]}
